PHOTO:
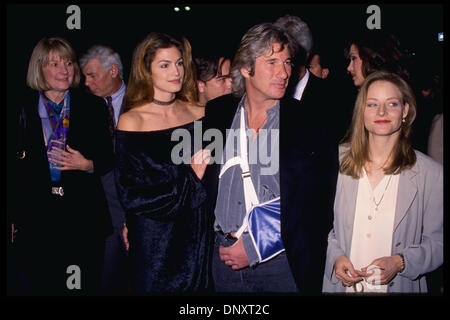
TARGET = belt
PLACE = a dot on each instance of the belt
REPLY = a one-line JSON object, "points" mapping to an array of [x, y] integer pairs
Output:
{"points": [[59, 191], [227, 236]]}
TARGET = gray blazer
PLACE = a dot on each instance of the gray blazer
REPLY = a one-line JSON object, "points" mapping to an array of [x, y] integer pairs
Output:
{"points": [[418, 226]]}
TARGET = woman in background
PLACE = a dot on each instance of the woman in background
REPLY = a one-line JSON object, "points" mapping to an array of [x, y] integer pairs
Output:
{"points": [[374, 51]]}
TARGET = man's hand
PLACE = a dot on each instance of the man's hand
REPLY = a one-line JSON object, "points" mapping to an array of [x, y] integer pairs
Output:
{"points": [[234, 256]]}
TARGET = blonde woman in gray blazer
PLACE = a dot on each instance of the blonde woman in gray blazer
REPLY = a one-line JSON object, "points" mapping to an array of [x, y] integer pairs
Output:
{"points": [[388, 212]]}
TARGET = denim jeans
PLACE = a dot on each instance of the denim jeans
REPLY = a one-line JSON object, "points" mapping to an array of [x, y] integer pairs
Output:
{"points": [[271, 276]]}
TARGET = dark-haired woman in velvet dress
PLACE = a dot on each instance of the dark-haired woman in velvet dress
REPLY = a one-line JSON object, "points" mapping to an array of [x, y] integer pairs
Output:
{"points": [[168, 230]]}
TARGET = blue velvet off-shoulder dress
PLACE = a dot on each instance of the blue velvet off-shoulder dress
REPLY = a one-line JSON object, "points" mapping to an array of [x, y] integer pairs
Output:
{"points": [[169, 231]]}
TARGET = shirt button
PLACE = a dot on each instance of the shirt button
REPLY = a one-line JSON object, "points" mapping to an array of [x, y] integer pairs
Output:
{"points": [[369, 217], [368, 235]]}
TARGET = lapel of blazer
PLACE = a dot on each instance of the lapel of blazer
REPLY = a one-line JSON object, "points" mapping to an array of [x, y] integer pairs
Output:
{"points": [[34, 136], [308, 85], [73, 136], [350, 189], [407, 190], [219, 114]]}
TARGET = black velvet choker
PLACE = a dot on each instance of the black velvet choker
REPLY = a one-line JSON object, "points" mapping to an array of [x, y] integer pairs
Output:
{"points": [[164, 103]]}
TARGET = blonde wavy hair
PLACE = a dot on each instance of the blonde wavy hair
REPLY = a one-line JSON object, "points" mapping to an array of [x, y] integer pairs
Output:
{"points": [[357, 138]]}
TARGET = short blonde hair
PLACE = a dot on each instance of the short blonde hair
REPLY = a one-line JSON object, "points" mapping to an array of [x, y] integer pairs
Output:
{"points": [[40, 58], [403, 155]]}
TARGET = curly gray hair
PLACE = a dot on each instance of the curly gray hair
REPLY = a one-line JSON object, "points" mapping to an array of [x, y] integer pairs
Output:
{"points": [[298, 29], [106, 55], [256, 42]]}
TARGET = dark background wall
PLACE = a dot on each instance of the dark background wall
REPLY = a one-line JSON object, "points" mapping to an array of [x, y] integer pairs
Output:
{"points": [[217, 26]]}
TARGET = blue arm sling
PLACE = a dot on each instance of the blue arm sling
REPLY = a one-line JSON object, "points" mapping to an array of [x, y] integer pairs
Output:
{"points": [[262, 220]]}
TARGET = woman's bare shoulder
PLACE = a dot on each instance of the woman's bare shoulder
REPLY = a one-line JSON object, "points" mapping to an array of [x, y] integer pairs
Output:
{"points": [[130, 120]]}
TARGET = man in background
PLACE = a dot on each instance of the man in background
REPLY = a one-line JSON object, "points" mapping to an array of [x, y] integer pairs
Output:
{"points": [[213, 77], [103, 73]]}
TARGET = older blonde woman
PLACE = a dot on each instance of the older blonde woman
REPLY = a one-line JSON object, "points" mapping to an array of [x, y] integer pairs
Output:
{"points": [[64, 146], [388, 214]]}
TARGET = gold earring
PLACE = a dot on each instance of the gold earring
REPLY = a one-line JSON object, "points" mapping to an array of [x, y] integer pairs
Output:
{"points": [[403, 120]]}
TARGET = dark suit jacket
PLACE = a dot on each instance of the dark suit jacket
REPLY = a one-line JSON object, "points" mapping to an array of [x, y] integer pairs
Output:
{"points": [[308, 173], [88, 133], [109, 186], [316, 89], [334, 109]]}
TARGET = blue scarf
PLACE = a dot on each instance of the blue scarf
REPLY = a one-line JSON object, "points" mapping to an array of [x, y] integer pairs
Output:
{"points": [[58, 115]]}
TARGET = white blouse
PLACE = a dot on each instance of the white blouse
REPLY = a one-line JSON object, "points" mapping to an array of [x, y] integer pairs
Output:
{"points": [[373, 226]]}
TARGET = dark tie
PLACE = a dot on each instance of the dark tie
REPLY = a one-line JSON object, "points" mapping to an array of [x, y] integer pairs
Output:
{"points": [[111, 115]]}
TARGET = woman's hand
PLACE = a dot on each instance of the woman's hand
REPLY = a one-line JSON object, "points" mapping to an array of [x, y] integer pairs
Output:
{"points": [[199, 161], [70, 160], [125, 237], [13, 232], [345, 271], [382, 270]]}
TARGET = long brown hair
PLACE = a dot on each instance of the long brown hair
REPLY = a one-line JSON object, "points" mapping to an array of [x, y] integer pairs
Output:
{"points": [[140, 85], [357, 155], [381, 50]]}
